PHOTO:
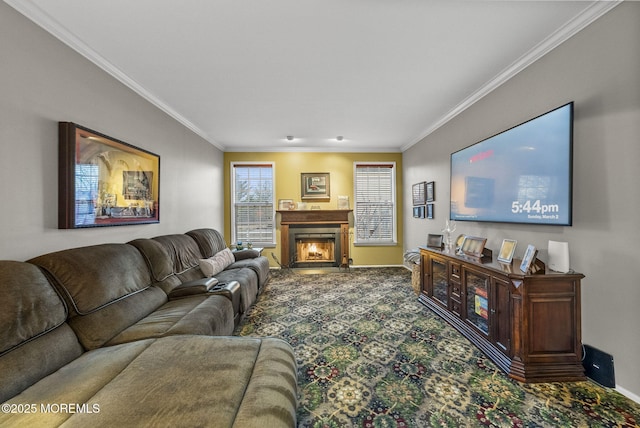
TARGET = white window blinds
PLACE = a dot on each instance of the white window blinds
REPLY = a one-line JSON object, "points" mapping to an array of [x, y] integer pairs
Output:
{"points": [[253, 204], [374, 213]]}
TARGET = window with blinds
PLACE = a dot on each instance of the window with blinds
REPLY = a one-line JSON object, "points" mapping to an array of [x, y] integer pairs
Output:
{"points": [[375, 210], [252, 205], [87, 177]]}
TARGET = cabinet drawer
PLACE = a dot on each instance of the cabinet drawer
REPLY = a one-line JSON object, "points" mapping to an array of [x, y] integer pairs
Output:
{"points": [[456, 290], [456, 307], [454, 271]]}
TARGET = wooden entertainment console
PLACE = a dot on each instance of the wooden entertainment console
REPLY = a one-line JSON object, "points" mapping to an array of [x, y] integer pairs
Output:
{"points": [[528, 324]]}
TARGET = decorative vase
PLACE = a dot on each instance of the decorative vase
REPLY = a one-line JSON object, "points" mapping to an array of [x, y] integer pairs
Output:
{"points": [[449, 228]]}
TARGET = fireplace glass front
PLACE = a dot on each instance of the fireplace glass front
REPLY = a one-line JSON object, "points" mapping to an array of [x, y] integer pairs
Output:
{"points": [[314, 247]]}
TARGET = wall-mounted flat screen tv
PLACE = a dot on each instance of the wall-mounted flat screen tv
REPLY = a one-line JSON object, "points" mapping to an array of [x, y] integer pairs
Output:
{"points": [[522, 175]]}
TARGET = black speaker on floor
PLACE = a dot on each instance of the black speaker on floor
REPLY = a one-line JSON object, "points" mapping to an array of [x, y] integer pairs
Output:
{"points": [[598, 365]]}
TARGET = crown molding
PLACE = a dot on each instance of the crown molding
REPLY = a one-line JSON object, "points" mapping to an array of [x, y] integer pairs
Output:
{"points": [[594, 11], [325, 149], [45, 21]]}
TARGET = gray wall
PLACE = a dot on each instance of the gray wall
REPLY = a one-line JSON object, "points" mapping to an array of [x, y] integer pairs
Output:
{"points": [[599, 69], [43, 82]]}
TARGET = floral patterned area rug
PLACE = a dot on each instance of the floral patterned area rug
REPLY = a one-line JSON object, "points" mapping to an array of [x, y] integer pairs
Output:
{"points": [[370, 355]]}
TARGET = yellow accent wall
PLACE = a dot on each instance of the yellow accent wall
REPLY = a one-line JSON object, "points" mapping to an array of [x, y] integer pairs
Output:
{"points": [[289, 166]]}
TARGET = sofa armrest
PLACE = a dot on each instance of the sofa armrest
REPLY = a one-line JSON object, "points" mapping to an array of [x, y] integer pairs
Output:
{"points": [[246, 254], [197, 286]]}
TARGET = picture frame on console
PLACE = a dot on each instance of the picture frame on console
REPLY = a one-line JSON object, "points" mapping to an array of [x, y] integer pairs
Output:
{"points": [[103, 181], [459, 241], [507, 250], [285, 204], [528, 258], [473, 246], [315, 186], [434, 241]]}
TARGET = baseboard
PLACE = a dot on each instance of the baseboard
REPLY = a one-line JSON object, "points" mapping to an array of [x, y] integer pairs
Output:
{"points": [[375, 266], [630, 395], [356, 266]]}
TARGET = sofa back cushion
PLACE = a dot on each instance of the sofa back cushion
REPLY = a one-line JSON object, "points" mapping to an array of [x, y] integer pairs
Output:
{"points": [[107, 288], [210, 241], [159, 262], [34, 338], [185, 255]]}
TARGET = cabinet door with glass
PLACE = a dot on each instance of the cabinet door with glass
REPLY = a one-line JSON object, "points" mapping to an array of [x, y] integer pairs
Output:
{"points": [[478, 308], [439, 280], [501, 313]]}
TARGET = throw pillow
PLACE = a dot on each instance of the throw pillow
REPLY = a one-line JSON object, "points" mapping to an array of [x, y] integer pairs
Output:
{"points": [[216, 264], [227, 256]]}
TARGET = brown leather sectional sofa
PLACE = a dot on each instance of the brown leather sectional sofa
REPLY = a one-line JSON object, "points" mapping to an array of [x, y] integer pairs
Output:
{"points": [[135, 335]]}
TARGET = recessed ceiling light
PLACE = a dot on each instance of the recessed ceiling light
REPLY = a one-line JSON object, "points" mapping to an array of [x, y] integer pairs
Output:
{"points": [[289, 137], [339, 138]]}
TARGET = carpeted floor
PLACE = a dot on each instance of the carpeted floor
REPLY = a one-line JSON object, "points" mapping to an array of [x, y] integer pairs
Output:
{"points": [[370, 355]]}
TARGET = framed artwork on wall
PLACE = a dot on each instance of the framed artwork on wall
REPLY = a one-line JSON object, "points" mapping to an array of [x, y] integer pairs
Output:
{"points": [[431, 191], [430, 209], [315, 186], [418, 193], [103, 181]]}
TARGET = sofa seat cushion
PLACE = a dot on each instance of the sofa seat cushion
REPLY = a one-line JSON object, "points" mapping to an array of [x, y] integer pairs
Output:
{"points": [[248, 284], [204, 314], [260, 265], [172, 381]]}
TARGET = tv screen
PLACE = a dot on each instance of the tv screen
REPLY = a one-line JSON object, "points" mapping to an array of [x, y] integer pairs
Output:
{"points": [[522, 175]]}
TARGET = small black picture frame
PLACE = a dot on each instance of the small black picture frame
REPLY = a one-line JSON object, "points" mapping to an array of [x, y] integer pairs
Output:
{"points": [[430, 209], [418, 212], [431, 191], [434, 241]]}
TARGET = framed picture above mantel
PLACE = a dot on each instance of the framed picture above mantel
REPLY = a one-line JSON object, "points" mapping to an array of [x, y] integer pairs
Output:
{"points": [[103, 181], [315, 186]]}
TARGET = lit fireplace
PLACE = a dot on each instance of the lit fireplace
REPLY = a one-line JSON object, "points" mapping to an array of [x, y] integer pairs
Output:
{"points": [[314, 246], [315, 249]]}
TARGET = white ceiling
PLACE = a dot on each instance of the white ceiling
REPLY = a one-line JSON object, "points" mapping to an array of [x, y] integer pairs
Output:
{"points": [[244, 74]]}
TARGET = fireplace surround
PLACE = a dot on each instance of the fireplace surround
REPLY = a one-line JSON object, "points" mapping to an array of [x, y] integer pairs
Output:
{"points": [[314, 238]]}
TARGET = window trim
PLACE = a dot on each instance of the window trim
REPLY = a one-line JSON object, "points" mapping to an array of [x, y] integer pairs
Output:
{"points": [[232, 194], [394, 218]]}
